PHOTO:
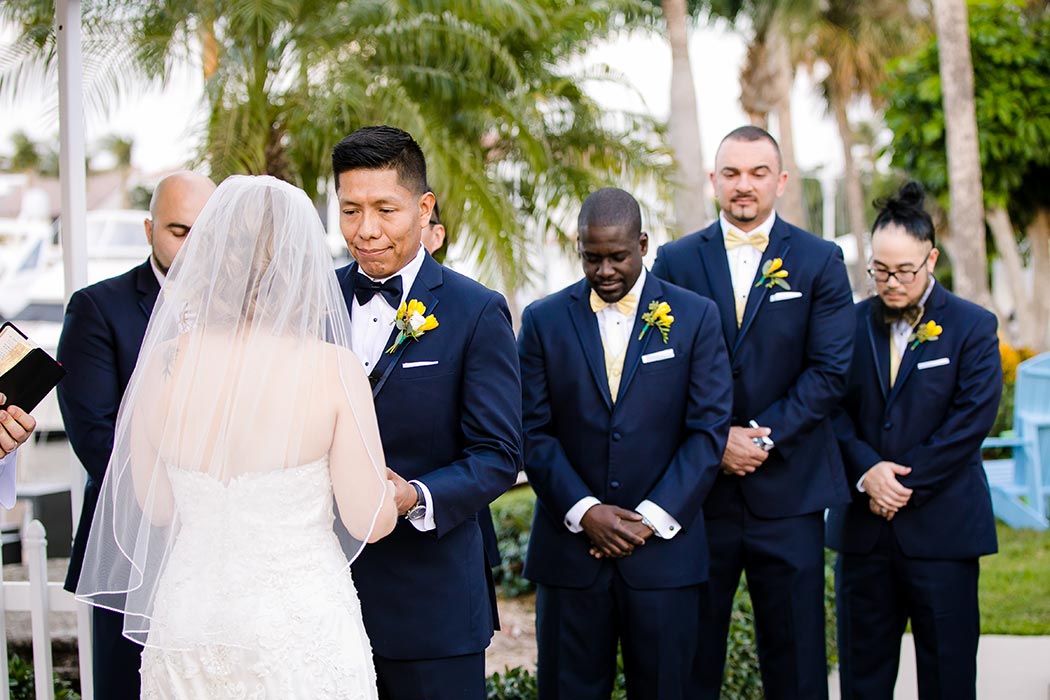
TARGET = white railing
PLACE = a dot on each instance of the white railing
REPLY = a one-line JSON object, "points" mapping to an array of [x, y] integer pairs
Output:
{"points": [[39, 598]]}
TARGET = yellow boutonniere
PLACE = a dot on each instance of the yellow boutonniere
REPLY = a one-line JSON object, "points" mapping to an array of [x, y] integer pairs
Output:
{"points": [[773, 274], [926, 332], [412, 321], [658, 316]]}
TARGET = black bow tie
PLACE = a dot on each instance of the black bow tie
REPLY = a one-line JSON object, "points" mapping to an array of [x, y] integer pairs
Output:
{"points": [[365, 289], [909, 315]]}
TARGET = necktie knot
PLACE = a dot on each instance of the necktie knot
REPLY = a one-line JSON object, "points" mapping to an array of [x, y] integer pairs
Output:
{"points": [[365, 288], [735, 238], [625, 305]]}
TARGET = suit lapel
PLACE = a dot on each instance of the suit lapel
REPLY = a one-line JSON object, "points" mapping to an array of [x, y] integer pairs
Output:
{"points": [[713, 258], [911, 357], [590, 338], [651, 291], [148, 288], [880, 351], [779, 245], [429, 278]]}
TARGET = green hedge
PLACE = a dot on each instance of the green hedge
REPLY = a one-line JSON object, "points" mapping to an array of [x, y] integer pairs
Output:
{"points": [[512, 514], [21, 685]]}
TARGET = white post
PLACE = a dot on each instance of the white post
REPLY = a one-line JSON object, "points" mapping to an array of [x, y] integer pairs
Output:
{"points": [[5, 684], [36, 552], [74, 241]]}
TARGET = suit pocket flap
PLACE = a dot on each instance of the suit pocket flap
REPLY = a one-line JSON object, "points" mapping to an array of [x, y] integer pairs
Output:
{"points": [[658, 356], [784, 296], [939, 362]]}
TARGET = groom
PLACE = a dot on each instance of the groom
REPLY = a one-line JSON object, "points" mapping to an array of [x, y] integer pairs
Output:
{"points": [[448, 400]]}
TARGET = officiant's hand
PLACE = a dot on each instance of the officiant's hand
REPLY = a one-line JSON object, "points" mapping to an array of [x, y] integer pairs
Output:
{"points": [[610, 530], [742, 456], [638, 527], [15, 427], [404, 493]]}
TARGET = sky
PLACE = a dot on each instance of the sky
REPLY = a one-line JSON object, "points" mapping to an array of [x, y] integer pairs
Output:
{"points": [[163, 122]]}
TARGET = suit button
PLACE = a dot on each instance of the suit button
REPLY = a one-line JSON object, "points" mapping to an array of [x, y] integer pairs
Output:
{"points": [[614, 484], [616, 437], [736, 372], [887, 425]]}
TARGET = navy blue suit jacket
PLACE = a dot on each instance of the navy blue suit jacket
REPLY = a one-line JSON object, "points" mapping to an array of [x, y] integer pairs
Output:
{"points": [[455, 426], [789, 362], [933, 420], [662, 440], [101, 336]]}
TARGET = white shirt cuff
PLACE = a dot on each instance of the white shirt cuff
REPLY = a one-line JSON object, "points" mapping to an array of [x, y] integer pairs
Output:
{"points": [[8, 472], [426, 523], [860, 483], [576, 513], [664, 526]]}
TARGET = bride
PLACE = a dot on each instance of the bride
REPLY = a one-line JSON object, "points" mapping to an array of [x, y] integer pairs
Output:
{"points": [[247, 416]]}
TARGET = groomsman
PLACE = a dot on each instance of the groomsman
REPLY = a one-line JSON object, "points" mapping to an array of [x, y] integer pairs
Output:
{"points": [[626, 411], [923, 393], [448, 398], [785, 306], [103, 330]]}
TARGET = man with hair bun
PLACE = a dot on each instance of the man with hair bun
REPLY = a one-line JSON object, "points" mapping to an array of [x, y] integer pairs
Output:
{"points": [[923, 393]]}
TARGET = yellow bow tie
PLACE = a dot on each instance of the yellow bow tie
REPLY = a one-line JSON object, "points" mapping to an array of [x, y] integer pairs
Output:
{"points": [[626, 305], [735, 239]]}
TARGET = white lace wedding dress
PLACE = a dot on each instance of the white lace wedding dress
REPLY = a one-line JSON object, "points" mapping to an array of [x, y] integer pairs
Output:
{"points": [[257, 563]]}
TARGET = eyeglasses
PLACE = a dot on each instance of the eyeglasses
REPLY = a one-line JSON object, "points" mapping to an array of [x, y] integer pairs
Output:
{"points": [[902, 276]]}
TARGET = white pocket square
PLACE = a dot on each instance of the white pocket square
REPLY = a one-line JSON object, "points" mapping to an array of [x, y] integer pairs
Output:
{"points": [[410, 365], [939, 362], [784, 296], [657, 356]]}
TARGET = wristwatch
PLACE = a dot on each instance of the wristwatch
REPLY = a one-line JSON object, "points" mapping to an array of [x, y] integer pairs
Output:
{"points": [[419, 510]]}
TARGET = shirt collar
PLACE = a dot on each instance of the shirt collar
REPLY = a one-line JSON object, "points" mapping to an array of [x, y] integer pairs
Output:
{"points": [[765, 227], [929, 290], [636, 290], [156, 271]]}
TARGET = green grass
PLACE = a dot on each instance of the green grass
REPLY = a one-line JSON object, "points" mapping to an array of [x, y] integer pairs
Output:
{"points": [[1015, 584], [517, 495]]}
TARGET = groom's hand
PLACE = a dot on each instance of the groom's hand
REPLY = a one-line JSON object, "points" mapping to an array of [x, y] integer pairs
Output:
{"points": [[609, 529], [404, 493]]}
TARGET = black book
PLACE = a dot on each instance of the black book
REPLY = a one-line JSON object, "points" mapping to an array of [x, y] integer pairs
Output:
{"points": [[27, 373]]}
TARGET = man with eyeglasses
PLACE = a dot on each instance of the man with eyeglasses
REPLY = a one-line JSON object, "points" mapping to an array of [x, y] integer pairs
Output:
{"points": [[923, 393]]}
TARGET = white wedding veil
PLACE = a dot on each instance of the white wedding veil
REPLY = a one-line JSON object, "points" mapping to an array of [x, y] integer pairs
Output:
{"points": [[245, 370]]}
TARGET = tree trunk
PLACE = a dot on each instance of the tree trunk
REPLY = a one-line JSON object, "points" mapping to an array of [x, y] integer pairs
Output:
{"points": [[966, 215], [692, 211], [791, 205], [854, 193], [1038, 233], [1020, 331], [209, 49]]}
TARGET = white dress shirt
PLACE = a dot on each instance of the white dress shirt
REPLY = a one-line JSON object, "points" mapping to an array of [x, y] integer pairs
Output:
{"points": [[900, 331], [370, 328], [7, 479], [745, 260], [615, 329]]}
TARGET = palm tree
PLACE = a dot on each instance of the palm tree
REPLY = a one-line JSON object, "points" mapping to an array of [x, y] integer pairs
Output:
{"points": [[767, 78], [855, 41], [512, 139], [120, 148], [692, 209], [966, 213], [27, 157]]}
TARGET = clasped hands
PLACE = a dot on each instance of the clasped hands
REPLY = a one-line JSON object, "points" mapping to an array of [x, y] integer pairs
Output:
{"points": [[614, 532], [15, 427], [887, 495]]}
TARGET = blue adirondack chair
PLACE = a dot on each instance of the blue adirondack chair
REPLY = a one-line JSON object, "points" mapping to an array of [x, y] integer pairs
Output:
{"points": [[1020, 484]]}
